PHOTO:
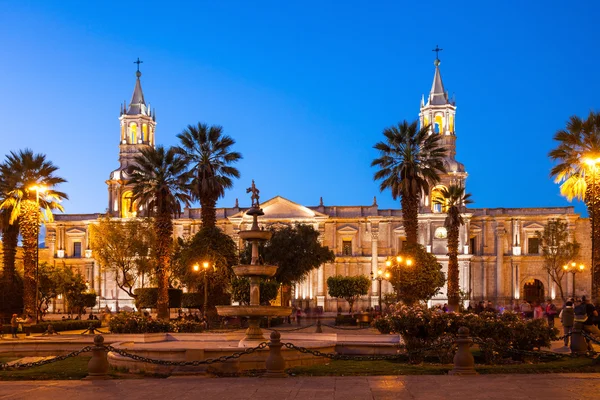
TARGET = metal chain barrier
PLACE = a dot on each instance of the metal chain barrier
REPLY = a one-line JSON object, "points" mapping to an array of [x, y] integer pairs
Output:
{"points": [[207, 361], [511, 350], [7, 367], [590, 337], [345, 357]]}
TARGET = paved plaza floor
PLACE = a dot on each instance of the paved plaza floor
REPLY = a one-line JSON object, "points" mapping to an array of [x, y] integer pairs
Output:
{"points": [[547, 387]]}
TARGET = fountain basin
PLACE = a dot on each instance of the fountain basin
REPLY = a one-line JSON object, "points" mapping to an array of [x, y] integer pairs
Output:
{"points": [[253, 311], [255, 270], [255, 235], [190, 347]]}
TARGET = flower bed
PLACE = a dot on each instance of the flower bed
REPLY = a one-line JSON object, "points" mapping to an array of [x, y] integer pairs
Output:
{"points": [[420, 328], [136, 323]]}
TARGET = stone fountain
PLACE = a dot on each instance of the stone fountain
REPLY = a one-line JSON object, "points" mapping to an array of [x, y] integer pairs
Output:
{"points": [[255, 272]]}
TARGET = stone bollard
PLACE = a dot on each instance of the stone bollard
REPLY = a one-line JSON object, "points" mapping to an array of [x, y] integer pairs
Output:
{"points": [[578, 343], [464, 363], [98, 365], [275, 363], [319, 329]]}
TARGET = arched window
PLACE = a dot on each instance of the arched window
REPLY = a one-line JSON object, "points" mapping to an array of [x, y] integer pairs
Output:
{"points": [[439, 123], [133, 133], [127, 207], [435, 193], [451, 124], [122, 132], [145, 132]]}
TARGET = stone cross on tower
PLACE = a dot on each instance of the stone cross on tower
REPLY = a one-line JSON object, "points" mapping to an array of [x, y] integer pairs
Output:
{"points": [[138, 62], [437, 52]]}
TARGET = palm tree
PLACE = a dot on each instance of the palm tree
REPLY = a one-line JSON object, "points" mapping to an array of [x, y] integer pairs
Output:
{"points": [[20, 172], [159, 183], [453, 200], [10, 236], [208, 154], [577, 143], [411, 161]]}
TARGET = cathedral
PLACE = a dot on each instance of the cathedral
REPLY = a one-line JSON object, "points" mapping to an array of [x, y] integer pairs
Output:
{"points": [[500, 256]]}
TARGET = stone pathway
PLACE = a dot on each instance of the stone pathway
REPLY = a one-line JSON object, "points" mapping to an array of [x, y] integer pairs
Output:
{"points": [[551, 386]]}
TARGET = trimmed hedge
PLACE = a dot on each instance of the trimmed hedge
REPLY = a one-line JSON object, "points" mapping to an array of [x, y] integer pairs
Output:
{"points": [[192, 300], [147, 298], [59, 326], [136, 323]]}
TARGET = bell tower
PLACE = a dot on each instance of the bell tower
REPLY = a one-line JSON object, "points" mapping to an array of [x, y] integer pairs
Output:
{"points": [[438, 112], [138, 123]]}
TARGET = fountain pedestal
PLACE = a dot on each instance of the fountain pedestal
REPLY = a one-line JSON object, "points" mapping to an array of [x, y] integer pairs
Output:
{"points": [[255, 272]]}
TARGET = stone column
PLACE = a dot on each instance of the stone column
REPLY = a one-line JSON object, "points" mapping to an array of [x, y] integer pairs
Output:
{"points": [[500, 232], [374, 255]]}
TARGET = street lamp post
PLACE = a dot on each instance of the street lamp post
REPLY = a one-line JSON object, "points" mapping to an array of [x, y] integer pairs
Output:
{"points": [[205, 266], [38, 189], [573, 268]]}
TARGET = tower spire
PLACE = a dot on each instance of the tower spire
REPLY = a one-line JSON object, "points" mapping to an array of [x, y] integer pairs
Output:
{"points": [[138, 104], [437, 95]]}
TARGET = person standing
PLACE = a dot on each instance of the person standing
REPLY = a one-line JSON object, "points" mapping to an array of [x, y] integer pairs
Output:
{"points": [[14, 326], [538, 311], [567, 319], [550, 313], [588, 325]]}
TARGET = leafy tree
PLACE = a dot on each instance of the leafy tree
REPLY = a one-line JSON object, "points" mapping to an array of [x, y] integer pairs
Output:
{"points": [[558, 251], [421, 280], [453, 200], [49, 285], [410, 162], [208, 154], [240, 290], [148, 298], [21, 172], [212, 245], [124, 248], [349, 288], [296, 250], [74, 289], [578, 142], [159, 181]]}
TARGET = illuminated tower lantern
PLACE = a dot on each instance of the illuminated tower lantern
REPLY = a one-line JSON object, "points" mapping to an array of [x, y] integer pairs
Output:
{"points": [[138, 123]]}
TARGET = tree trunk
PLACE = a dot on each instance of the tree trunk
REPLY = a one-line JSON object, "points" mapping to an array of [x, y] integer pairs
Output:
{"points": [[410, 217], [10, 237], [208, 212], [592, 205], [29, 225], [453, 284], [163, 226]]}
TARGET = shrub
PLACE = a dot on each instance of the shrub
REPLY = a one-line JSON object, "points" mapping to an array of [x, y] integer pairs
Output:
{"points": [[136, 323], [418, 325], [59, 326]]}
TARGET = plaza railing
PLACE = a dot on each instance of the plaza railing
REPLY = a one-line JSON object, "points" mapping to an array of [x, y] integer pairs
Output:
{"points": [[98, 366]]}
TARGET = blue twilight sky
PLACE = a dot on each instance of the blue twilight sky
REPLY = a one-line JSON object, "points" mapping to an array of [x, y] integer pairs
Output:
{"points": [[304, 87]]}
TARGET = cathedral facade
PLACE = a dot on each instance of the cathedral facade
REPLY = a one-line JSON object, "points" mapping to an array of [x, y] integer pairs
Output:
{"points": [[500, 256]]}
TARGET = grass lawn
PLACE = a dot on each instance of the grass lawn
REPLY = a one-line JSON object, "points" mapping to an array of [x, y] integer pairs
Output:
{"points": [[71, 368], [76, 368], [355, 368]]}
